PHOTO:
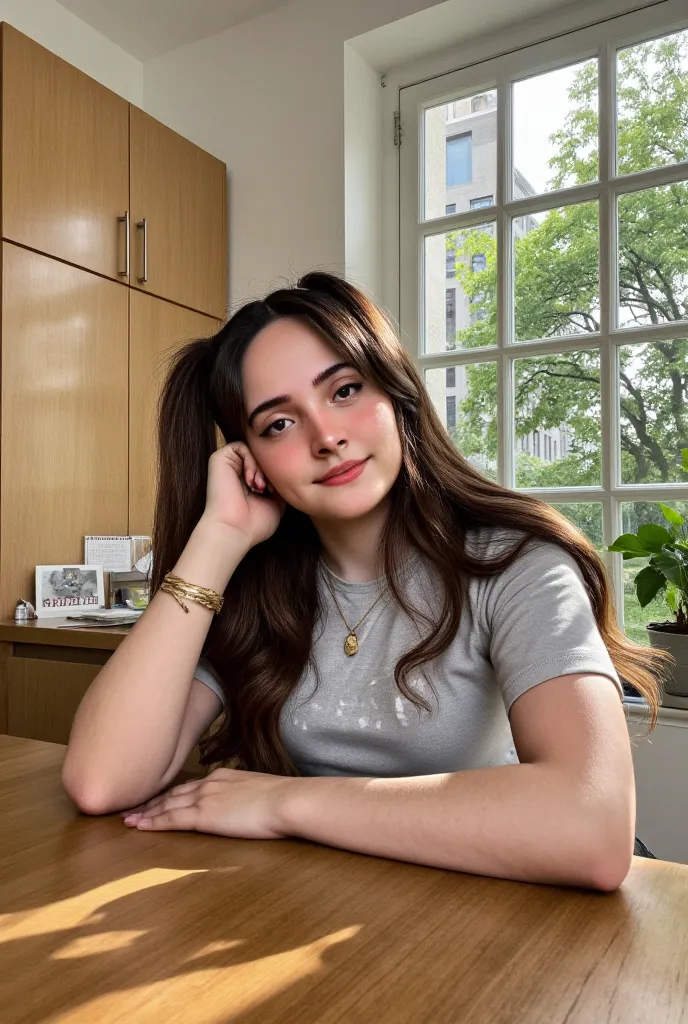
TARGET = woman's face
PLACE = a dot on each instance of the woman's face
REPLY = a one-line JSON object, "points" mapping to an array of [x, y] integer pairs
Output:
{"points": [[313, 428]]}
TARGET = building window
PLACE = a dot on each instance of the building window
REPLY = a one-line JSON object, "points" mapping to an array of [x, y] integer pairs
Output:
{"points": [[451, 262], [451, 413], [480, 204], [450, 208], [459, 160], [451, 318], [479, 103], [580, 358], [451, 376]]}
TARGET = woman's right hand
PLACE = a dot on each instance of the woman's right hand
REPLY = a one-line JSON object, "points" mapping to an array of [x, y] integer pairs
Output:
{"points": [[239, 496]]}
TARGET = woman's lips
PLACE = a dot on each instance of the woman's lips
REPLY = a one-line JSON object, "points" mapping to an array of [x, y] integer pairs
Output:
{"points": [[344, 478]]}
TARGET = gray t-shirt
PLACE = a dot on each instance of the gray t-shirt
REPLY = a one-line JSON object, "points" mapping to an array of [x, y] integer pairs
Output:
{"points": [[530, 623]]}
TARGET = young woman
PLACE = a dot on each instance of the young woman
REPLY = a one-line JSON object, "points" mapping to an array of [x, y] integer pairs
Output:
{"points": [[407, 660]]}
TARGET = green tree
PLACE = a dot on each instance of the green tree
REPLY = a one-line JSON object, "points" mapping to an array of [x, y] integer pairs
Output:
{"points": [[557, 289]]}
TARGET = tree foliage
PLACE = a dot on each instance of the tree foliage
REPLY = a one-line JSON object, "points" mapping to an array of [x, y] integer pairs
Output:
{"points": [[557, 289]]}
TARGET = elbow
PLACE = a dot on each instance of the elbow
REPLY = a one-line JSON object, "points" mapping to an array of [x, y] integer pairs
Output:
{"points": [[610, 860], [608, 873], [85, 796]]}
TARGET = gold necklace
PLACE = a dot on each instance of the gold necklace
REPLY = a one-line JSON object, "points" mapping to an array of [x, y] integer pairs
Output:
{"points": [[351, 642]]}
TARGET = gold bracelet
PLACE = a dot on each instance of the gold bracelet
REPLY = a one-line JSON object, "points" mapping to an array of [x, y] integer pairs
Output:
{"points": [[179, 588]]}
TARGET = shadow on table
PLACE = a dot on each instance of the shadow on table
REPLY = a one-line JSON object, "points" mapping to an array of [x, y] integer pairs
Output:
{"points": [[166, 915]]}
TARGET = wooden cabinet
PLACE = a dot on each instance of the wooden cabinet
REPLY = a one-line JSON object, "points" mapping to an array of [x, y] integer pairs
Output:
{"points": [[95, 181], [44, 674], [178, 219], [43, 696], [157, 329], [64, 445], [65, 158]]}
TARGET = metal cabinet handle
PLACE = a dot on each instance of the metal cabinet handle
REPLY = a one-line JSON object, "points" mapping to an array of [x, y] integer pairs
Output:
{"points": [[125, 220], [143, 224]]}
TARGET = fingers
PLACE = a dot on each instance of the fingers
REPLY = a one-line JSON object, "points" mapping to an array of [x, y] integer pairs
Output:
{"points": [[170, 806], [253, 475], [182, 819], [156, 802]]}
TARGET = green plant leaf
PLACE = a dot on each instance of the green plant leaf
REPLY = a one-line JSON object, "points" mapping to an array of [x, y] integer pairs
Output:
{"points": [[669, 565], [672, 597], [648, 584], [653, 537], [671, 515], [628, 542], [684, 458]]}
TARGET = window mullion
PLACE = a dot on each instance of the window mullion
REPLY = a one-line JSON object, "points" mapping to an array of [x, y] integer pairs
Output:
{"points": [[505, 391], [609, 367]]}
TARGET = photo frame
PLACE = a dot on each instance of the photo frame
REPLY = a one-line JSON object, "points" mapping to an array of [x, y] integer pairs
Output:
{"points": [[64, 589]]}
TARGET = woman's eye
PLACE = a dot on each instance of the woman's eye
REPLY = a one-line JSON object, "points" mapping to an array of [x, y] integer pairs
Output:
{"points": [[266, 432], [356, 386]]}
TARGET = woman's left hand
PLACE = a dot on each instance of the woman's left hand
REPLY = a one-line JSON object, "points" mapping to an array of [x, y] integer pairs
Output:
{"points": [[240, 804]]}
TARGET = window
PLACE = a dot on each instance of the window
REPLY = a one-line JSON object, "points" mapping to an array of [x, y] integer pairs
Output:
{"points": [[459, 159], [451, 317], [571, 300], [479, 103], [451, 412], [450, 261], [479, 204], [451, 376], [450, 208]]}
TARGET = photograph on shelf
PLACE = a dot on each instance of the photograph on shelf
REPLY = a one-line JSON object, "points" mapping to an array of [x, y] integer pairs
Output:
{"points": [[63, 589]]}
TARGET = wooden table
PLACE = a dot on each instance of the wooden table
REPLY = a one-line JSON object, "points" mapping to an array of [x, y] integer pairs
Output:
{"points": [[100, 923]]}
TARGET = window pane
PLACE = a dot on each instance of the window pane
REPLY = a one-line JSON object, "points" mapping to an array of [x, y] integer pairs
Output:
{"points": [[558, 398], [461, 289], [460, 153], [587, 516], [635, 514], [653, 255], [469, 411], [556, 272], [654, 411], [480, 204], [652, 104], [555, 130]]}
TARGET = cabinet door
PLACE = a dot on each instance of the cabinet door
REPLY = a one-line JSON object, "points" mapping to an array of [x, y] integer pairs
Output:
{"points": [[65, 159], [179, 191], [64, 415], [42, 696], [157, 329]]}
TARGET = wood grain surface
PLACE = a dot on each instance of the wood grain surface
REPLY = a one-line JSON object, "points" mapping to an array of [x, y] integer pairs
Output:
{"points": [[101, 923]]}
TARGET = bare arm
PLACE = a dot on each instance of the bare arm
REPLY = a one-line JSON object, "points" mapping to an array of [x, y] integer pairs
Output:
{"points": [[565, 815], [127, 729]]}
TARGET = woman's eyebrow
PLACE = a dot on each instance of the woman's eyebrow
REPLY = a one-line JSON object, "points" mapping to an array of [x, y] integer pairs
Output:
{"points": [[280, 399]]}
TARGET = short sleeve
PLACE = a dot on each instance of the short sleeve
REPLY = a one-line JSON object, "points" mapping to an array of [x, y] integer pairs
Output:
{"points": [[205, 674], [542, 624]]}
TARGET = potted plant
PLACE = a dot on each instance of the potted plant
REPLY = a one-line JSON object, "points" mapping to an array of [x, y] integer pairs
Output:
{"points": [[667, 572]]}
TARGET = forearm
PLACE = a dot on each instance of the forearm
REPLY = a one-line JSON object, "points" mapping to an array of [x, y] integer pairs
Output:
{"points": [[127, 727], [528, 822]]}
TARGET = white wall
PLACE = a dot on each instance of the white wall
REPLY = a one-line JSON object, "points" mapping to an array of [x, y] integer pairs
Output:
{"points": [[362, 173], [268, 98], [60, 31]]}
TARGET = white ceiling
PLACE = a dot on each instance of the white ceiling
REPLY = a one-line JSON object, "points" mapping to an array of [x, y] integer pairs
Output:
{"points": [[146, 28]]}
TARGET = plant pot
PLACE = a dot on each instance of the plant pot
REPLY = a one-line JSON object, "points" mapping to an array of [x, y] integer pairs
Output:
{"points": [[663, 634]]}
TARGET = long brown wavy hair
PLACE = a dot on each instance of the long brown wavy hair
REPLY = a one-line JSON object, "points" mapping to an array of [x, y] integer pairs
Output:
{"points": [[260, 643]]}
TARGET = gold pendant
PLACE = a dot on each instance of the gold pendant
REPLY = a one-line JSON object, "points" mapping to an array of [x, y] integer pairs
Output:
{"points": [[351, 644]]}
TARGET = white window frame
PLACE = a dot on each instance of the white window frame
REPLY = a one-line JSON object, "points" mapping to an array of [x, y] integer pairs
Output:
{"points": [[599, 41]]}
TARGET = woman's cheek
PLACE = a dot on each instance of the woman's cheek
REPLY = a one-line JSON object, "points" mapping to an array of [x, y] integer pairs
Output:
{"points": [[281, 468]]}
